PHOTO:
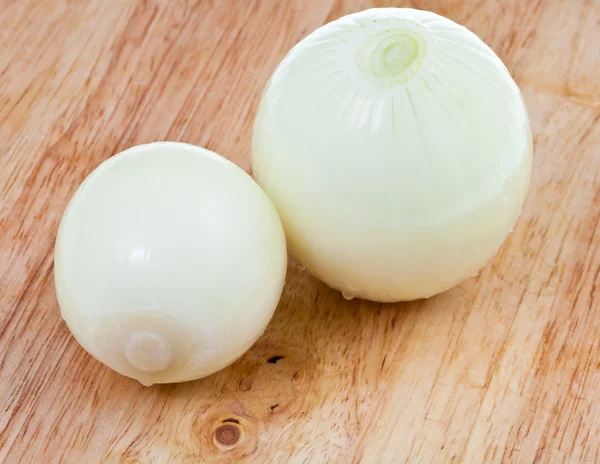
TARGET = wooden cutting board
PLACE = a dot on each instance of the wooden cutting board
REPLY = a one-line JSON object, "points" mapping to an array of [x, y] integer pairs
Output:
{"points": [[503, 368]]}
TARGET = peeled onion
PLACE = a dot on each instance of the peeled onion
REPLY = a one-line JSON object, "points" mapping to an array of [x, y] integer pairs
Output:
{"points": [[169, 262], [397, 149]]}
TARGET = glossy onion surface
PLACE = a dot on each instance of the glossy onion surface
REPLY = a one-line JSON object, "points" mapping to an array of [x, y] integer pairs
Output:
{"points": [[396, 148], [169, 262]]}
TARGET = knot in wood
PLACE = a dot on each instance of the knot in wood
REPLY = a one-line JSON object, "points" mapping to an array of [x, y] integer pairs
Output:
{"points": [[227, 435]]}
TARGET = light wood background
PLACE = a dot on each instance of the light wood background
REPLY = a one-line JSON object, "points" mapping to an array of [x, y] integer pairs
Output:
{"points": [[503, 368]]}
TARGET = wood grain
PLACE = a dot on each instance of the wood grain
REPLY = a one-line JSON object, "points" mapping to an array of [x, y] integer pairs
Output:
{"points": [[503, 368]]}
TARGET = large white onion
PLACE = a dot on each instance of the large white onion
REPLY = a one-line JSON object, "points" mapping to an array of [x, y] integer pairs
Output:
{"points": [[169, 262], [397, 150]]}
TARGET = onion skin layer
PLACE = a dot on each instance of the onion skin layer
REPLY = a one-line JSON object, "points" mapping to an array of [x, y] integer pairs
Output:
{"points": [[169, 262], [397, 150]]}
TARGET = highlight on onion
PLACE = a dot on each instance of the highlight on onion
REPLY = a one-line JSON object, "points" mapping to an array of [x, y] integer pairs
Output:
{"points": [[397, 150], [169, 262]]}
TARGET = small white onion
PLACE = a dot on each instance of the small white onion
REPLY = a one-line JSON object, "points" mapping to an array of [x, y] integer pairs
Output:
{"points": [[396, 148], [169, 262]]}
